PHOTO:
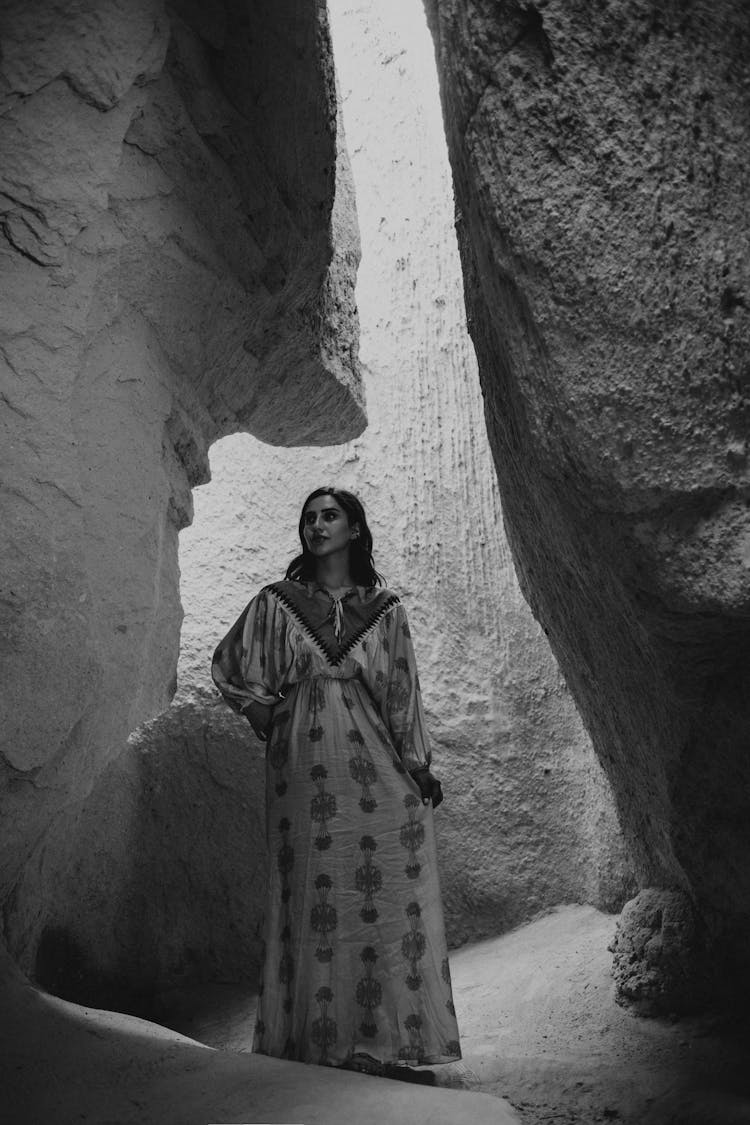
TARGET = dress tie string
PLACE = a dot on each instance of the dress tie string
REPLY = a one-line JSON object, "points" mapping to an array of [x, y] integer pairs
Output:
{"points": [[338, 617]]}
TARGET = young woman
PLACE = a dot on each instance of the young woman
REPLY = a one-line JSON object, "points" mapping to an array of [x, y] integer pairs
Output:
{"points": [[356, 967]]}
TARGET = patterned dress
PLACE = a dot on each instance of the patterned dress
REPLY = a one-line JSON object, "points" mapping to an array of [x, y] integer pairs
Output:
{"points": [[355, 953]]}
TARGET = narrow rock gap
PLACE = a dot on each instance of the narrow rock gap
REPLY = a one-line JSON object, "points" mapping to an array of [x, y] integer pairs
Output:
{"points": [[175, 284], [516, 762]]}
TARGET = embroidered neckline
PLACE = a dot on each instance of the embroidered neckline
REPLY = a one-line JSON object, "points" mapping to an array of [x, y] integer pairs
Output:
{"points": [[334, 656], [346, 591]]}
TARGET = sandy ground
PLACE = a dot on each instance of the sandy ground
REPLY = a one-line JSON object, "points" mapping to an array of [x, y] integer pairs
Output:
{"points": [[540, 1028], [61, 1064], [541, 1033]]}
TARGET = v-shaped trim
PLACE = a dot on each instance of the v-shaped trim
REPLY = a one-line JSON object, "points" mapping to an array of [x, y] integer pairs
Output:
{"points": [[335, 655]]}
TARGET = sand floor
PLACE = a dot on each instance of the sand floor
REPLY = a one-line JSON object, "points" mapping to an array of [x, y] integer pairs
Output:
{"points": [[63, 1064], [541, 1033], [540, 1028]]}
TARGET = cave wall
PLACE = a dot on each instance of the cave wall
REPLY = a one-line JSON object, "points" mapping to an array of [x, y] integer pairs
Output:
{"points": [[178, 248], [164, 883], [599, 156]]}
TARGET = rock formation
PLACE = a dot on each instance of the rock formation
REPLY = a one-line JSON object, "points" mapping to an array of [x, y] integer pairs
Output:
{"points": [[162, 881], [599, 156], [178, 255]]}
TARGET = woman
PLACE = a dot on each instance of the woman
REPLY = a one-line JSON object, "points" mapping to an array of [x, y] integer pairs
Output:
{"points": [[356, 967]]}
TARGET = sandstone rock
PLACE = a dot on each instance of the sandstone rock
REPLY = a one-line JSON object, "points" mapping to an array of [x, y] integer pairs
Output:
{"points": [[158, 884], [656, 952], [157, 877], [599, 162], [178, 254]]}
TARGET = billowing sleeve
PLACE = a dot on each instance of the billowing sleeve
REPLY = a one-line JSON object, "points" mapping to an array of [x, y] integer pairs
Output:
{"points": [[395, 687], [249, 664]]}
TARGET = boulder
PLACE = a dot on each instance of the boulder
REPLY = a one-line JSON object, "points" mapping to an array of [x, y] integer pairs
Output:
{"points": [[178, 247], [599, 157]]}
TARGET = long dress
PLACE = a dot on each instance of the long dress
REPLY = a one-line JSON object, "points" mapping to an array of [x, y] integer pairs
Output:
{"points": [[355, 954]]}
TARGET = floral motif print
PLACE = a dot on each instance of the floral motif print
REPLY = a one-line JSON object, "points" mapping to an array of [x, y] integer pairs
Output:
{"points": [[322, 807], [286, 968], [317, 701], [324, 1031], [413, 945], [368, 879], [445, 973], [412, 836], [286, 863], [362, 770], [290, 1048], [369, 992], [399, 686], [278, 750], [415, 1051], [323, 918], [285, 859]]}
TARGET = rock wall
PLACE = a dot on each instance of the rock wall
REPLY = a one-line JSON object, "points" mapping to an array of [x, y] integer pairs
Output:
{"points": [[516, 764], [178, 251], [599, 156], [175, 892]]}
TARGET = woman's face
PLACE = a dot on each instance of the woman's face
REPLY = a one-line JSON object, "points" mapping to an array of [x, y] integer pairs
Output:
{"points": [[326, 527]]}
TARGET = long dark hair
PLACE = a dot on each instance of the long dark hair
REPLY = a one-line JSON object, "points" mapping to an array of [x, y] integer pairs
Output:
{"points": [[302, 568]]}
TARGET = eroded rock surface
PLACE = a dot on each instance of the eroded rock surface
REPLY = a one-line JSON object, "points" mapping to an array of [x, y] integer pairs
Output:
{"points": [[600, 163], [158, 877], [178, 249], [163, 880]]}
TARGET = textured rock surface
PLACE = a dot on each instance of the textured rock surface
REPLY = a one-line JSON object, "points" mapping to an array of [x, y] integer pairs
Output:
{"points": [[599, 157], [178, 250], [156, 877], [517, 766], [656, 949], [528, 820], [64, 1063]]}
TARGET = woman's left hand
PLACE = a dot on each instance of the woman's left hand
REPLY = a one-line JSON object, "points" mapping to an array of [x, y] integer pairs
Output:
{"points": [[429, 786], [259, 716]]}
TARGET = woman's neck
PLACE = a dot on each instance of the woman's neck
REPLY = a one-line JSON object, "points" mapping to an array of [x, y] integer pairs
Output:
{"points": [[333, 573]]}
